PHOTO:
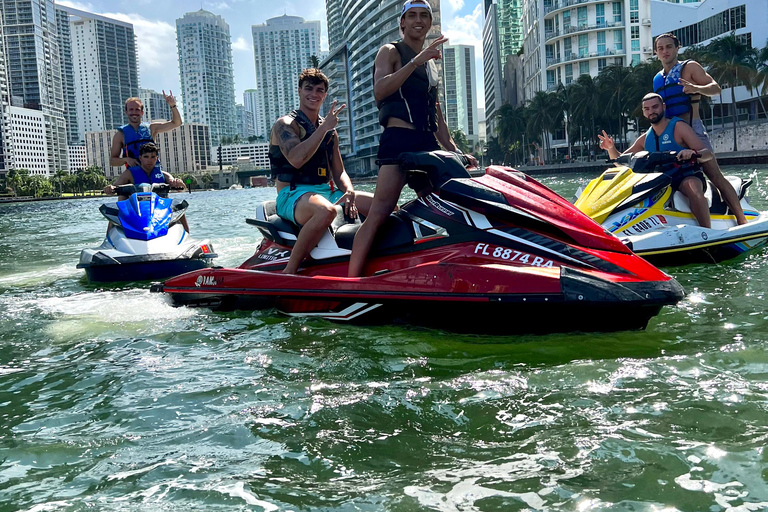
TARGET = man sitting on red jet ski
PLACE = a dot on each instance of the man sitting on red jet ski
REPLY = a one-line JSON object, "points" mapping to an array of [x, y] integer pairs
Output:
{"points": [[303, 147], [671, 135]]}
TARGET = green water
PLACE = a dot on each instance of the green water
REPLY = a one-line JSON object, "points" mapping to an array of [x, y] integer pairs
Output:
{"points": [[110, 399]]}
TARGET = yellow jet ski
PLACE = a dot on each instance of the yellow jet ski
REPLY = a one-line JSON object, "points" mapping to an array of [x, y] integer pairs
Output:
{"points": [[636, 202]]}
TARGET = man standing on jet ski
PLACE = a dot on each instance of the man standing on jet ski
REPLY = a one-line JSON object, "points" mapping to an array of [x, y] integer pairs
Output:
{"points": [[681, 85], [303, 147], [405, 87], [130, 137], [671, 135], [147, 172]]}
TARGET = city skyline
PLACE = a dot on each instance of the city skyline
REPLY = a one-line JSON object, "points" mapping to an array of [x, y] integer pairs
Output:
{"points": [[156, 32]]}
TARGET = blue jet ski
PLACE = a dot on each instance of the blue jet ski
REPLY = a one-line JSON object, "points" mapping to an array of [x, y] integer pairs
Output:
{"points": [[145, 239]]}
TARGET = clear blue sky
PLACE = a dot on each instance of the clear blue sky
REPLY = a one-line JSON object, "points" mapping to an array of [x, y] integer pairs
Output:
{"points": [[155, 26]]}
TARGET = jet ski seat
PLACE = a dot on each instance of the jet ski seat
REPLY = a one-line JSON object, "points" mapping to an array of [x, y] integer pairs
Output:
{"points": [[717, 206], [395, 232], [285, 232]]}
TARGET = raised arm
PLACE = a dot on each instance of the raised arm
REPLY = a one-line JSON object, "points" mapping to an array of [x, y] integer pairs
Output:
{"points": [[606, 143], [175, 121], [387, 79], [294, 150]]}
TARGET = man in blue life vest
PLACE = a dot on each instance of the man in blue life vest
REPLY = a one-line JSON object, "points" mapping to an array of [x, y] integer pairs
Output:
{"points": [[304, 155], [671, 135], [681, 85], [146, 172], [130, 137]]}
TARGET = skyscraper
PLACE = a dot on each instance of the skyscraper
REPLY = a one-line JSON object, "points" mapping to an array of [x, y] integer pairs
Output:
{"points": [[251, 102], [5, 147], [502, 37], [244, 122], [356, 30], [105, 69], [68, 76], [34, 69], [155, 106], [459, 80], [282, 48], [206, 72]]}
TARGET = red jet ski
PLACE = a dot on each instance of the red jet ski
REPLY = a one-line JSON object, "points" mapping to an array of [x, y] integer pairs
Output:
{"points": [[496, 253]]}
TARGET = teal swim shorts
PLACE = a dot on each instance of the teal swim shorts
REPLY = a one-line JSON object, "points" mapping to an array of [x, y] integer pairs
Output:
{"points": [[287, 198]]}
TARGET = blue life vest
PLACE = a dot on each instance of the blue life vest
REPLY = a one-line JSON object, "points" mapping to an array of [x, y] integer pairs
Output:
{"points": [[668, 87], [139, 176], [133, 139], [664, 142]]}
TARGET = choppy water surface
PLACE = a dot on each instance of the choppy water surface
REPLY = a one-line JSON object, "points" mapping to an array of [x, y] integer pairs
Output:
{"points": [[110, 399]]}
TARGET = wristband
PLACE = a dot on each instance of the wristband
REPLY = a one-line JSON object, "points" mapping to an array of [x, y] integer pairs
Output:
{"points": [[173, 106], [413, 61]]}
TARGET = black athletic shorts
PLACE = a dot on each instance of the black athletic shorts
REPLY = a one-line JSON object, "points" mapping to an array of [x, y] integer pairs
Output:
{"points": [[679, 177], [394, 141]]}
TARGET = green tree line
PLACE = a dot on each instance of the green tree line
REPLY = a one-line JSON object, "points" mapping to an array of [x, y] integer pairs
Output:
{"points": [[611, 101], [20, 182]]}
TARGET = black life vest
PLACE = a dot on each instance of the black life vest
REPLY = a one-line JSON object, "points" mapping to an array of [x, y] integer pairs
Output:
{"points": [[315, 170], [415, 100]]}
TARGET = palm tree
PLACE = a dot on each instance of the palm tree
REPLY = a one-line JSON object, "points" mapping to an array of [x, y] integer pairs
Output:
{"points": [[615, 83], [640, 85], [461, 141], [759, 63], [314, 62], [545, 115], [728, 64], [584, 103], [512, 123]]}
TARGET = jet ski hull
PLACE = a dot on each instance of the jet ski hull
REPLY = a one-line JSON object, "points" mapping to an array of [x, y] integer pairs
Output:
{"points": [[122, 259], [546, 301], [141, 268]]}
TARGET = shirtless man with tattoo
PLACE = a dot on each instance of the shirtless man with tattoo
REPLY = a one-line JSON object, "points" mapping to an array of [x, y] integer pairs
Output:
{"points": [[304, 155]]}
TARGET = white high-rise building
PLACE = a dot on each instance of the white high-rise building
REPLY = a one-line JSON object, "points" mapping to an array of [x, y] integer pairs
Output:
{"points": [[6, 151], [244, 122], [155, 106], [568, 38], [356, 31], [251, 102], [206, 73], [282, 48], [459, 80], [78, 159], [34, 69], [105, 65], [185, 149], [74, 136], [30, 147]]}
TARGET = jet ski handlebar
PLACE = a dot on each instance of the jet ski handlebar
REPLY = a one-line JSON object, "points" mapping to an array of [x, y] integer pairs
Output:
{"points": [[648, 162], [157, 188]]}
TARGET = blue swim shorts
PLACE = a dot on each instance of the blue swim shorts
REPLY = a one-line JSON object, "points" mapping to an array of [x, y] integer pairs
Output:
{"points": [[287, 198]]}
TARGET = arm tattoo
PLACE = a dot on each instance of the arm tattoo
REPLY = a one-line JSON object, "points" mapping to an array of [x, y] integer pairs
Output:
{"points": [[288, 139]]}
